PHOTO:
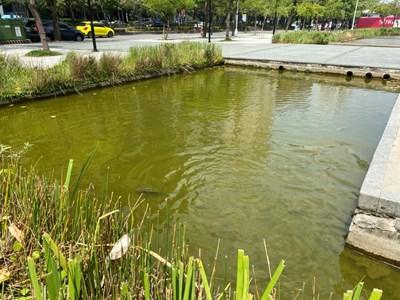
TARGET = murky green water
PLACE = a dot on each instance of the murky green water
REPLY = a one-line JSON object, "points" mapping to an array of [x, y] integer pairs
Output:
{"points": [[240, 155]]}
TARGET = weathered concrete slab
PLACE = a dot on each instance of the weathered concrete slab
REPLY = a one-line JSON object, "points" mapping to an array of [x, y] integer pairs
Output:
{"points": [[316, 68], [376, 236], [375, 228]]}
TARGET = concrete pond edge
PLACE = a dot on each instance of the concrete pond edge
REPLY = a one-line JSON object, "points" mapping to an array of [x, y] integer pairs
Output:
{"points": [[350, 71], [375, 226]]}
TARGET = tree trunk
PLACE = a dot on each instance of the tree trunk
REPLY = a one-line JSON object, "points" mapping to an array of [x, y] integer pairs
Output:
{"points": [[54, 16], [207, 18], [165, 29], [234, 26], [255, 22], [289, 21], [71, 11], [263, 23], [35, 13], [228, 19]]}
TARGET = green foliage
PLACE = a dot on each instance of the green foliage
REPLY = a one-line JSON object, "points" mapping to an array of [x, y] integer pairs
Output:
{"points": [[41, 53], [34, 279], [326, 37], [302, 37], [356, 293], [166, 9], [77, 261], [78, 70]]}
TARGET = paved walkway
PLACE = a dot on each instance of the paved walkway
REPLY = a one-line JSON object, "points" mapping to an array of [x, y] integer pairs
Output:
{"points": [[248, 46]]}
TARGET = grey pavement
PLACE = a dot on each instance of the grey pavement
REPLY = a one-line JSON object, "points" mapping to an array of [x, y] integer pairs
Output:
{"points": [[246, 46]]}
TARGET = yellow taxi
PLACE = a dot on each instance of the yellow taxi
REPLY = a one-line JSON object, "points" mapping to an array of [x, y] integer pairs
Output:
{"points": [[99, 29]]}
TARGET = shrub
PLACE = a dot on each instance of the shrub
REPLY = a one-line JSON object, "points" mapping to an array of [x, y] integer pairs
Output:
{"points": [[78, 70], [325, 37]]}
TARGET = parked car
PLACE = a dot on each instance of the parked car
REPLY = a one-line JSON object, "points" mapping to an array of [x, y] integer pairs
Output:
{"points": [[11, 16], [68, 33], [99, 29], [155, 23], [118, 24]]}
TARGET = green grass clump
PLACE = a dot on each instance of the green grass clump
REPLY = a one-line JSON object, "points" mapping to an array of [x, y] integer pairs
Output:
{"points": [[41, 53], [66, 239], [61, 241], [78, 70], [302, 37], [326, 37]]}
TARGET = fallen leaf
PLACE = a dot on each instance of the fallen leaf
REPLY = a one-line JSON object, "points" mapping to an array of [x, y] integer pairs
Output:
{"points": [[4, 275], [120, 247], [16, 232]]}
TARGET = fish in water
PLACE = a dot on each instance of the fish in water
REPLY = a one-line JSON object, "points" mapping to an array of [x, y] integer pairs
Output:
{"points": [[148, 191]]}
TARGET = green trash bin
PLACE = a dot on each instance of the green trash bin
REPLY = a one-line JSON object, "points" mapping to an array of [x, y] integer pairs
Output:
{"points": [[12, 30]]}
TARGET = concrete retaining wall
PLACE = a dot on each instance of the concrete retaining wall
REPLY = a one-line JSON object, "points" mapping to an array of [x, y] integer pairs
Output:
{"points": [[375, 228]]}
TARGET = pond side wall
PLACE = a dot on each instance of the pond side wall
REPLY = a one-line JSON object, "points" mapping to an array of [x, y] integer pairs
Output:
{"points": [[375, 227]]}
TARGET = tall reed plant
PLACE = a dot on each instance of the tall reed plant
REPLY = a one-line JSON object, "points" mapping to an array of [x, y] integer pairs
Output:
{"points": [[59, 240], [77, 70]]}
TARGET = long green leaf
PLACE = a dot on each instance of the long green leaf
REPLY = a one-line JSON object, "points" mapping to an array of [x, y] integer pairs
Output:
{"points": [[357, 292], [56, 251], [376, 294], [74, 278], [274, 280], [246, 277], [240, 275], [174, 279], [53, 277], [348, 295], [204, 279], [84, 168], [33, 278], [188, 283], [181, 280], [69, 172], [193, 288], [146, 286]]}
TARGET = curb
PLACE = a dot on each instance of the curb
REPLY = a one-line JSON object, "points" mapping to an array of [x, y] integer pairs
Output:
{"points": [[6, 42], [349, 71]]}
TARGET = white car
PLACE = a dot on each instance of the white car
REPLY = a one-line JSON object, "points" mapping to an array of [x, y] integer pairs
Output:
{"points": [[7, 17]]}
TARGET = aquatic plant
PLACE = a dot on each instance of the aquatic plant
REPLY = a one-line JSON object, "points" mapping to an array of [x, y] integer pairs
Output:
{"points": [[59, 241], [77, 71]]}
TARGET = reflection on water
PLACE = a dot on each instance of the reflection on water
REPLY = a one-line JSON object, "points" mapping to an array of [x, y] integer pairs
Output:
{"points": [[239, 155]]}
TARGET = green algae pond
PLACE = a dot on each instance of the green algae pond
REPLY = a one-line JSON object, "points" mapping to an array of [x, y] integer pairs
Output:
{"points": [[239, 155]]}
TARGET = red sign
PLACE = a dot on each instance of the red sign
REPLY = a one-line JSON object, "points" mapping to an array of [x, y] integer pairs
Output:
{"points": [[375, 22]]}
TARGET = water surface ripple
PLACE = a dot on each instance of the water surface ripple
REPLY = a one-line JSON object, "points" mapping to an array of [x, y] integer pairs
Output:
{"points": [[238, 155]]}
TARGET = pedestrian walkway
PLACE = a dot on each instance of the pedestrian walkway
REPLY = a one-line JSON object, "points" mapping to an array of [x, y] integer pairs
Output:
{"points": [[250, 46], [360, 59]]}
